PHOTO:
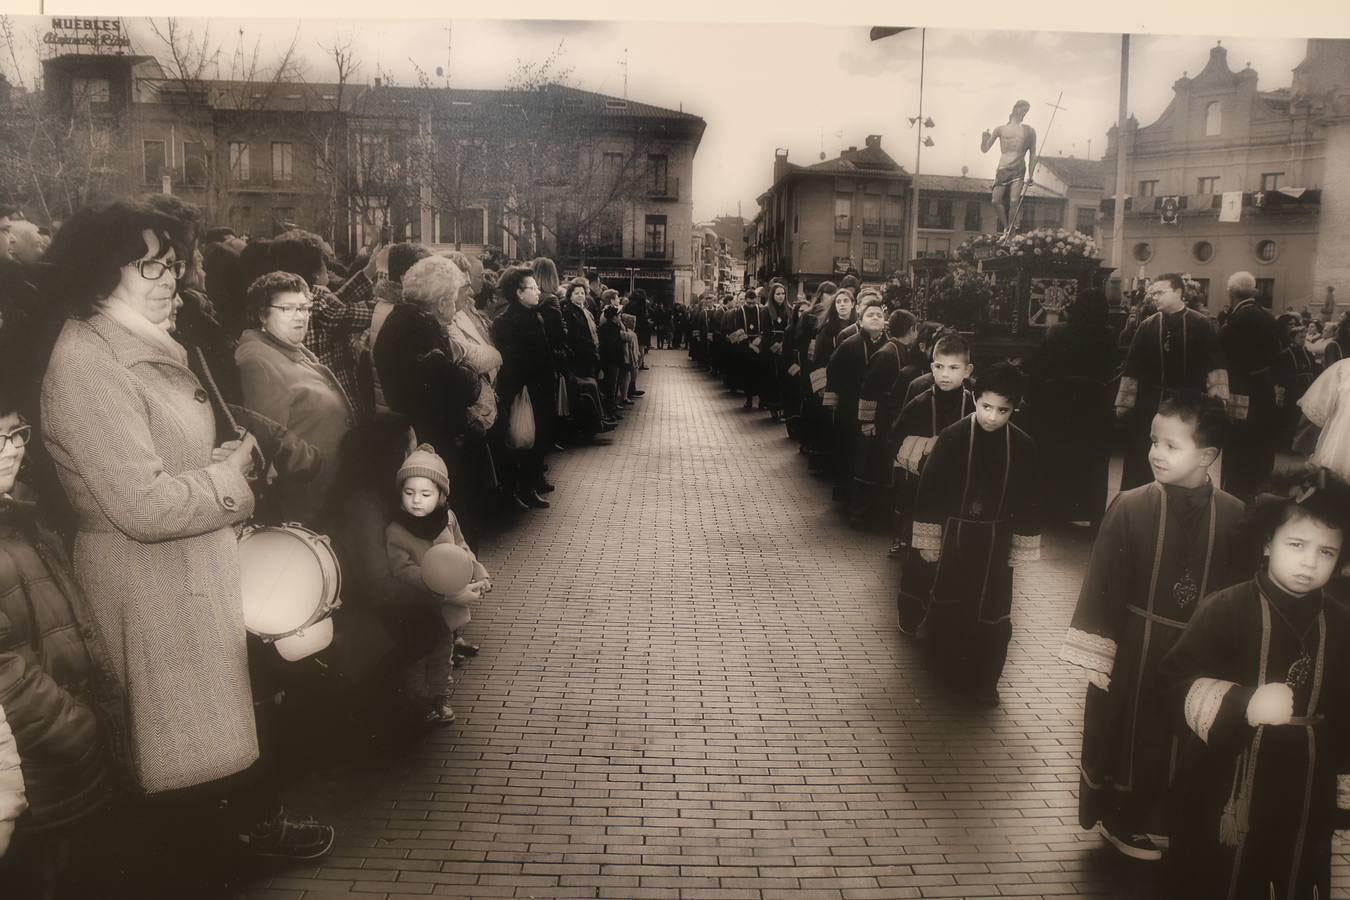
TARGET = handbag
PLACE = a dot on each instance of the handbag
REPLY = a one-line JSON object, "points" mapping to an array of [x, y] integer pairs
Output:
{"points": [[520, 434]]}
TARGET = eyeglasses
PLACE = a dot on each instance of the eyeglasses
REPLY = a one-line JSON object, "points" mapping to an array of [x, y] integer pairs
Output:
{"points": [[291, 312], [152, 269], [18, 437]]}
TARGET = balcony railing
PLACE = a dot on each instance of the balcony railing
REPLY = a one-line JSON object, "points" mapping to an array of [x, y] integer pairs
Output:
{"points": [[871, 228], [667, 188], [658, 251], [946, 223], [893, 229]]}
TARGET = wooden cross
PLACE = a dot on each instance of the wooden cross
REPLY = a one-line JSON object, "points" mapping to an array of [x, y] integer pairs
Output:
{"points": [[1056, 105]]}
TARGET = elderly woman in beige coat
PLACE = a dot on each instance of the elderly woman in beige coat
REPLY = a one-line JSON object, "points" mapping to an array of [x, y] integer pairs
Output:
{"points": [[133, 438]]}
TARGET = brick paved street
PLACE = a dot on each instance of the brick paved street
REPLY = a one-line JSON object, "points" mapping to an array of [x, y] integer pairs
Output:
{"points": [[691, 686]]}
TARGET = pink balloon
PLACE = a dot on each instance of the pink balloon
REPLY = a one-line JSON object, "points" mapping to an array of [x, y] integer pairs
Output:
{"points": [[447, 569]]}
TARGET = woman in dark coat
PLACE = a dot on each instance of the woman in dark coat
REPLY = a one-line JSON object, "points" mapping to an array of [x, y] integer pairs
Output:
{"points": [[527, 372], [583, 360], [1069, 406], [546, 276], [423, 381]]}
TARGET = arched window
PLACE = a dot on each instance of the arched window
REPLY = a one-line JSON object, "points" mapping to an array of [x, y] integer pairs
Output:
{"points": [[1213, 119]]}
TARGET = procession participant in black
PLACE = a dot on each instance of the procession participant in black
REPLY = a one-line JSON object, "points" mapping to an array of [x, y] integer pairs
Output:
{"points": [[913, 435], [1176, 348], [716, 340], [1250, 340], [776, 318], [844, 379], [929, 334], [976, 518], [830, 321], [1162, 547], [747, 336], [1295, 371], [888, 375], [797, 390], [1258, 688], [1069, 410]]}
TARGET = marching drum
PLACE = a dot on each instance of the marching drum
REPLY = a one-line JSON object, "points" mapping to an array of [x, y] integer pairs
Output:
{"points": [[291, 582]]}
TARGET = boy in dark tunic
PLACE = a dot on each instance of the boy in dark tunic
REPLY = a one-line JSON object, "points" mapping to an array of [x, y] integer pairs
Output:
{"points": [[887, 378], [1161, 547], [912, 437], [1259, 689], [1176, 348], [975, 517]]}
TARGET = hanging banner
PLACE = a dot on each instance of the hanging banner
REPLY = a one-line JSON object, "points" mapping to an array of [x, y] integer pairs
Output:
{"points": [[1231, 210]]}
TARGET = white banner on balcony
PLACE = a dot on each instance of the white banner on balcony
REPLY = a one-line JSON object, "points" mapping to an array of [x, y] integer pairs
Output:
{"points": [[1231, 208]]}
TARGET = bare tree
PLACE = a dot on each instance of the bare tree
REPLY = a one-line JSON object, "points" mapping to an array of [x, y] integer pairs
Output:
{"points": [[199, 92], [57, 153]]}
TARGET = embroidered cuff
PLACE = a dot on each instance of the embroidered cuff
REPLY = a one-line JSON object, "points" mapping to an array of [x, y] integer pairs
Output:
{"points": [[867, 410], [1239, 406], [927, 536], [913, 451], [1216, 383], [1202, 704], [1128, 395], [1025, 548], [818, 380], [829, 399], [1343, 791], [1091, 651], [794, 369]]}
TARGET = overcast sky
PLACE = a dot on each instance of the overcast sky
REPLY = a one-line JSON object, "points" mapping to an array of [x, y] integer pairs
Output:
{"points": [[761, 86]]}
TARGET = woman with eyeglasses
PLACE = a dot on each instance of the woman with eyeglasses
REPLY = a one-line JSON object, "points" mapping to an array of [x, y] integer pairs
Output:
{"points": [[132, 435], [283, 380]]}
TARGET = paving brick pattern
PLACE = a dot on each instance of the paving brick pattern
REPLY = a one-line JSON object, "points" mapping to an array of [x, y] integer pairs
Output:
{"points": [[691, 686]]}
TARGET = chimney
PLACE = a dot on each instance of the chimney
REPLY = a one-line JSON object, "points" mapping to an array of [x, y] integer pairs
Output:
{"points": [[874, 142], [780, 163]]}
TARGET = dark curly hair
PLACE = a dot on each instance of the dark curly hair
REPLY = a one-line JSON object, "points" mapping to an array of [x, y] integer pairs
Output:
{"points": [[262, 291], [1003, 379], [85, 260], [1308, 492], [1206, 415]]}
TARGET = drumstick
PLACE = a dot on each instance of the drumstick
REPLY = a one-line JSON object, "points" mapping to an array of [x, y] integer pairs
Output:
{"points": [[259, 463]]}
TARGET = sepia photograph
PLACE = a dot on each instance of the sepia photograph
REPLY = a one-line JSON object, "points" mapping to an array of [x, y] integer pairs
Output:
{"points": [[617, 457]]}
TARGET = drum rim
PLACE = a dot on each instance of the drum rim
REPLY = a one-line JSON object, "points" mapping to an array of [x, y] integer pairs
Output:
{"points": [[325, 608]]}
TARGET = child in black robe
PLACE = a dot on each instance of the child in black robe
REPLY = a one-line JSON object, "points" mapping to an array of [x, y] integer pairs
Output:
{"points": [[1259, 688], [1161, 547], [976, 518]]}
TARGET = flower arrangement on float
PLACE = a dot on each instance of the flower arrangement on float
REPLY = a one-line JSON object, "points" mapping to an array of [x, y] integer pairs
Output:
{"points": [[980, 246], [1054, 243]]}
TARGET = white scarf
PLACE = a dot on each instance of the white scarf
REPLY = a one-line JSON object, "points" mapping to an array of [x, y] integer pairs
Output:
{"points": [[475, 347], [156, 337]]}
